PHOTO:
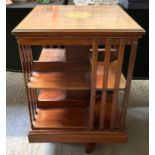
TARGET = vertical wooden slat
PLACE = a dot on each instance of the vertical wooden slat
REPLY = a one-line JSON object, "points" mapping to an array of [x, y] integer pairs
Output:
{"points": [[34, 97], [93, 84], [28, 75], [29, 58], [117, 83], [30, 63], [105, 82], [128, 81], [24, 70], [24, 62], [31, 92]]}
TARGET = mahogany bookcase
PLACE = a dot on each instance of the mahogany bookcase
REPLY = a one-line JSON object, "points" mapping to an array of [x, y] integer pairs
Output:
{"points": [[76, 90]]}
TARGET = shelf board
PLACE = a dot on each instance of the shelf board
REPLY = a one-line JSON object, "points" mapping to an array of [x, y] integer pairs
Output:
{"points": [[61, 118], [52, 54], [55, 59], [51, 95], [59, 95], [62, 98], [52, 70], [74, 79], [73, 117], [66, 79]]}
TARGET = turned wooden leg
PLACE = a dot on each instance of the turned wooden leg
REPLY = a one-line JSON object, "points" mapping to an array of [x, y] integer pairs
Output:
{"points": [[89, 147]]}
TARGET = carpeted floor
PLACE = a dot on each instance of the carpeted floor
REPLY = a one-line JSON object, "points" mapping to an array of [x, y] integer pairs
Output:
{"points": [[18, 125]]}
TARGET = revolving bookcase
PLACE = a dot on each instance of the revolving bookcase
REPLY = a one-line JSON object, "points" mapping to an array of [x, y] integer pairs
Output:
{"points": [[76, 90]]}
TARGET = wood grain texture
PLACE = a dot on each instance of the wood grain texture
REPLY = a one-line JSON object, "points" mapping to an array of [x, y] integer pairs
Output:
{"points": [[78, 79], [78, 136], [93, 83], [51, 95], [18, 124], [76, 39], [129, 78], [107, 114], [55, 95], [103, 18], [61, 59], [91, 27], [105, 82], [60, 118], [111, 76], [60, 79], [52, 55], [117, 82], [62, 98]]}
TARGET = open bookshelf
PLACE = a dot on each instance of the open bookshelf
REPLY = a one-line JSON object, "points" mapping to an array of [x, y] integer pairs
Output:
{"points": [[73, 87], [50, 59]]}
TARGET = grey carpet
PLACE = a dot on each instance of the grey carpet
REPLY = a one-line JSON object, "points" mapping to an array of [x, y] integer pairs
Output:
{"points": [[18, 125]]}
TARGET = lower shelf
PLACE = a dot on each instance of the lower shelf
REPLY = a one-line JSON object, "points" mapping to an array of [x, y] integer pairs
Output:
{"points": [[61, 118], [72, 115]]}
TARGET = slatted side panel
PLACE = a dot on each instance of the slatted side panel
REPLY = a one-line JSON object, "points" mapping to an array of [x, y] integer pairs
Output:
{"points": [[117, 83], [117, 76], [25, 53], [132, 59]]}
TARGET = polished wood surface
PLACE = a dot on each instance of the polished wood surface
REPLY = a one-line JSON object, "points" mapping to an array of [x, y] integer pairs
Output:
{"points": [[105, 83], [103, 18], [74, 116], [60, 118], [111, 76], [62, 58], [117, 83], [60, 79], [85, 136], [52, 54], [73, 90], [55, 95], [62, 98], [93, 83], [78, 79], [51, 95], [107, 114]]}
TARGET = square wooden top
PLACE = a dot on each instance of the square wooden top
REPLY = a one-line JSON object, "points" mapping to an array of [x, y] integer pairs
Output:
{"points": [[104, 19]]}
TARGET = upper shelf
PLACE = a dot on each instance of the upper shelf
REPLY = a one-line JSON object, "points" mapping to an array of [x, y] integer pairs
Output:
{"points": [[74, 79], [53, 71]]}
